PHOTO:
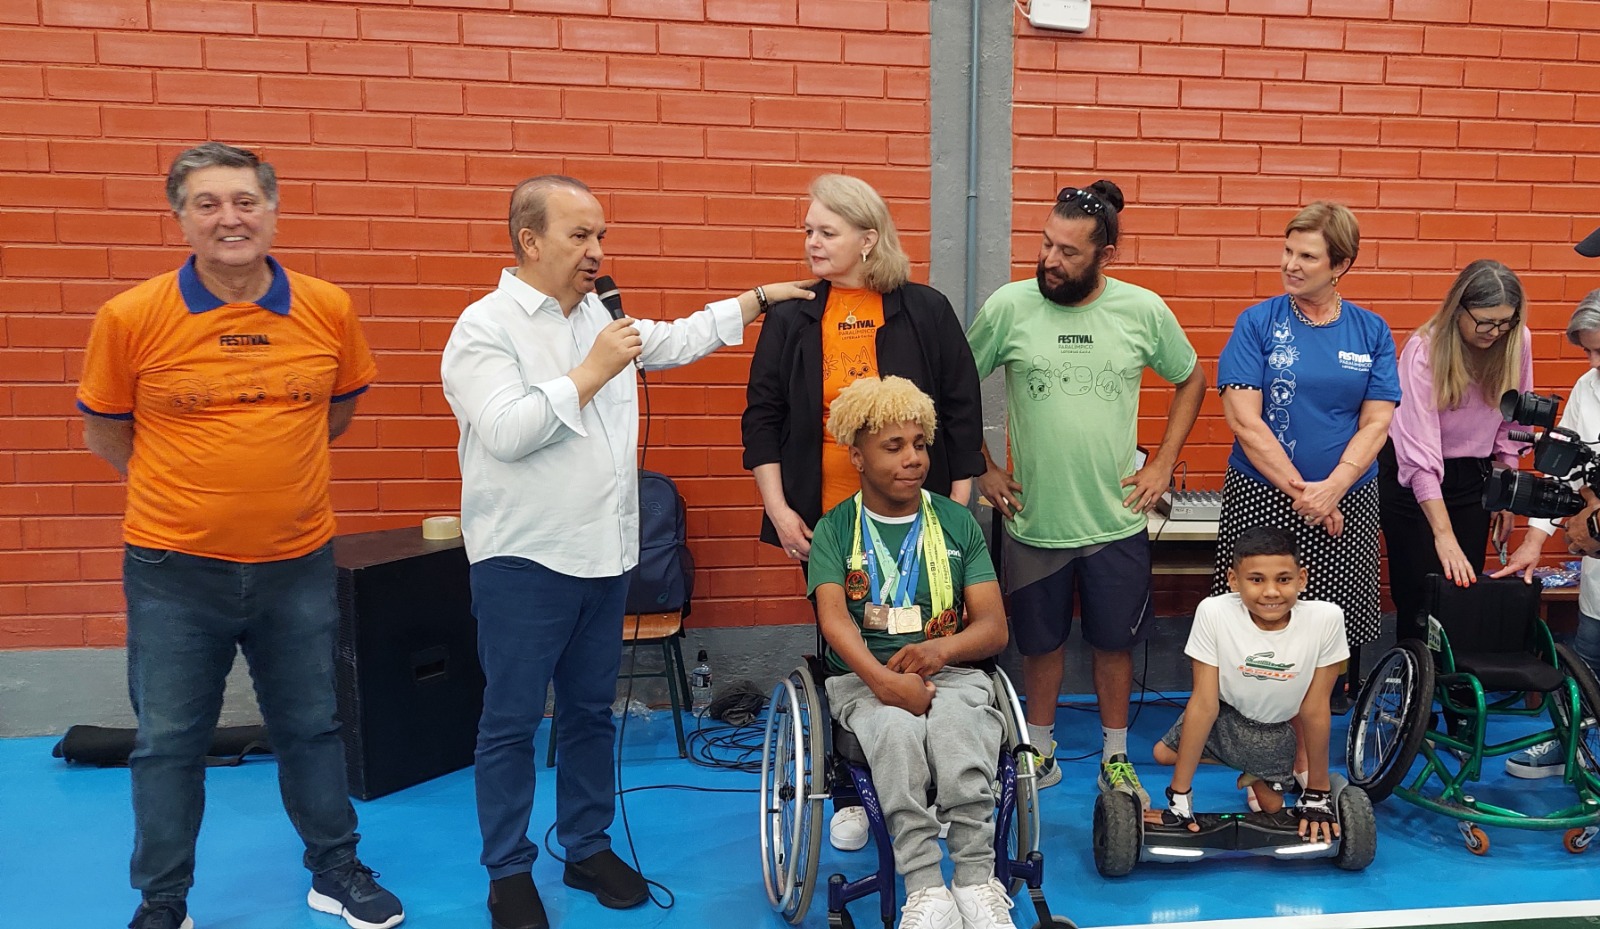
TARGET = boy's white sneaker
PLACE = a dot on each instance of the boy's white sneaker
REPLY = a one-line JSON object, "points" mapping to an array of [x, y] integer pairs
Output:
{"points": [[848, 831], [930, 908], [984, 906]]}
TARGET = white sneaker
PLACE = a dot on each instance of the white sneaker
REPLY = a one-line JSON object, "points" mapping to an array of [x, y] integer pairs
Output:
{"points": [[984, 906], [931, 908], [1047, 773], [848, 829]]}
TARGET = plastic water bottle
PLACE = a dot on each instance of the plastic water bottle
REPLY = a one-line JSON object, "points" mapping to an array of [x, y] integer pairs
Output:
{"points": [[700, 686]]}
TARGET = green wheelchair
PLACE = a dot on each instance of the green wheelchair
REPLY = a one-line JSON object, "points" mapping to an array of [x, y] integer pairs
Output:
{"points": [[1489, 654]]}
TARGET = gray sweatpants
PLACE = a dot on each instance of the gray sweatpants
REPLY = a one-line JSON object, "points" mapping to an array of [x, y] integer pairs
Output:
{"points": [[955, 747]]}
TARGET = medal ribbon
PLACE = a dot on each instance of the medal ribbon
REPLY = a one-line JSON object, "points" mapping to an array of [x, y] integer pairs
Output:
{"points": [[898, 586], [941, 589], [901, 585]]}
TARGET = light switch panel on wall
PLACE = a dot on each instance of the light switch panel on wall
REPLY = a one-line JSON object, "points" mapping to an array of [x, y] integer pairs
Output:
{"points": [[1071, 15]]}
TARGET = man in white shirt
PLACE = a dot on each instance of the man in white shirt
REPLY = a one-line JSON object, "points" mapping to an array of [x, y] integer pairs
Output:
{"points": [[541, 381]]}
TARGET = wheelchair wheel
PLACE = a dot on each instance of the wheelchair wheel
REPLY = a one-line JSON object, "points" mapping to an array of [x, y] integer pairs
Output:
{"points": [[793, 787], [1587, 730], [1024, 836], [1117, 830], [1358, 830], [1390, 719]]}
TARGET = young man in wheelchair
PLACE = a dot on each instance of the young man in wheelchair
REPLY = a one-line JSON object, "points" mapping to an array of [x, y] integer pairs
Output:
{"points": [[1261, 659], [906, 596]]}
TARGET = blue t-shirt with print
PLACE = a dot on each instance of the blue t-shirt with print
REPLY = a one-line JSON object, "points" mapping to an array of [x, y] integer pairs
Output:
{"points": [[1313, 380]]}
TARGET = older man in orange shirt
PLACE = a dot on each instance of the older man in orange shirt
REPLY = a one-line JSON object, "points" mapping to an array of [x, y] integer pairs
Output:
{"points": [[215, 390]]}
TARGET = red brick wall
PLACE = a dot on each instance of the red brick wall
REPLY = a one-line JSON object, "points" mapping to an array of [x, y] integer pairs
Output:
{"points": [[1455, 129], [398, 129]]}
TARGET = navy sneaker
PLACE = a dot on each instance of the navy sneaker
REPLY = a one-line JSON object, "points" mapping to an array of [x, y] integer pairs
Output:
{"points": [[173, 915], [1543, 760], [351, 891]]}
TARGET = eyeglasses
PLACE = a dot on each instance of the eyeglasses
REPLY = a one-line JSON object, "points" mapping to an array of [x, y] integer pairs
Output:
{"points": [[1087, 200], [1488, 326]]}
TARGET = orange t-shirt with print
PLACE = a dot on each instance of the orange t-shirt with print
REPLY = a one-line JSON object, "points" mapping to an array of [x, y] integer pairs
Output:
{"points": [[850, 324], [229, 403]]}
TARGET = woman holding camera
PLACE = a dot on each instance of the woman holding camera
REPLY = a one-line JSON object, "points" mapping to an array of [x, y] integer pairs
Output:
{"points": [[1447, 434], [1582, 415]]}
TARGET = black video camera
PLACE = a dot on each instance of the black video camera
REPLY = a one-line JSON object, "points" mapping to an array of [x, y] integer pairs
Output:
{"points": [[1560, 453]]}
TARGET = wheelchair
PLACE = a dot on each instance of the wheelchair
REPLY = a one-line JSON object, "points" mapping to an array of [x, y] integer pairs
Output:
{"points": [[806, 755], [1489, 654]]}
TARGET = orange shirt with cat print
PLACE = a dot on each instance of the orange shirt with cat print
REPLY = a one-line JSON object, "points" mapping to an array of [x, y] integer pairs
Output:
{"points": [[229, 403], [850, 324]]}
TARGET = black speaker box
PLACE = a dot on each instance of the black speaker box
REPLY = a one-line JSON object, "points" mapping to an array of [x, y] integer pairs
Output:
{"points": [[409, 686]]}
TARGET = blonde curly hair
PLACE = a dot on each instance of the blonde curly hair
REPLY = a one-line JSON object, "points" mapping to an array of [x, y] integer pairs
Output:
{"points": [[870, 403]]}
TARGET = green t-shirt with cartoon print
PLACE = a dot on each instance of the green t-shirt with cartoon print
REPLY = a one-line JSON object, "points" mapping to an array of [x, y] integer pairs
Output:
{"points": [[832, 542], [1072, 399]]}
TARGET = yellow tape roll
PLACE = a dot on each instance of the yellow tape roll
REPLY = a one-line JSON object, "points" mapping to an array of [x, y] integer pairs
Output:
{"points": [[441, 527]]}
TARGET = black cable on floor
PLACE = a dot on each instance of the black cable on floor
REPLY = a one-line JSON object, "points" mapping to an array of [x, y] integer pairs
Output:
{"points": [[728, 747], [622, 808]]}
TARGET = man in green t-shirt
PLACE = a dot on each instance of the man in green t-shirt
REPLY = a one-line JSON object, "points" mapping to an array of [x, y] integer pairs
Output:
{"points": [[1075, 345], [906, 596]]}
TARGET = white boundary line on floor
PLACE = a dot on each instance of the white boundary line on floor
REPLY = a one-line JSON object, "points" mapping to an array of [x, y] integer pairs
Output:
{"points": [[1387, 919]]}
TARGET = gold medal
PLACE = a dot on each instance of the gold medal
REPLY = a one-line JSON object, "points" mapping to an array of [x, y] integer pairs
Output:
{"points": [[855, 585]]}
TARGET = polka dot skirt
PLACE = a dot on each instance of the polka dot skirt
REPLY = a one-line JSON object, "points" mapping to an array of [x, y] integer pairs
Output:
{"points": [[1343, 569]]}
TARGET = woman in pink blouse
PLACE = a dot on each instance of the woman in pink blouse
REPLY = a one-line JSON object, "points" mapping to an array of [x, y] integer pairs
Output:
{"points": [[1447, 434]]}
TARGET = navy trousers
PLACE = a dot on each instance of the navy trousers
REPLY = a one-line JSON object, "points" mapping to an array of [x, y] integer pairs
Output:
{"points": [[537, 626]]}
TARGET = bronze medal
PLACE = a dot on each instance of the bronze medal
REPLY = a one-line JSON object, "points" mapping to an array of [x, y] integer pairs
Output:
{"points": [[855, 585], [944, 624]]}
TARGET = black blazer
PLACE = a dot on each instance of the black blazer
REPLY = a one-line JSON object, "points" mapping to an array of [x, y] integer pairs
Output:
{"points": [[921, 340]]}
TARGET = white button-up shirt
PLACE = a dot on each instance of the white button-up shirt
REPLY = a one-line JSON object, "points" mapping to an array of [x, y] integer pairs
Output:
{"points": [[542, 478]]}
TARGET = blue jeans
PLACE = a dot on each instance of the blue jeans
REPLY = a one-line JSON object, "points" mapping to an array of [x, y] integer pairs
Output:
{"points": [[187, 615], [1586, 641], [536, 626]]}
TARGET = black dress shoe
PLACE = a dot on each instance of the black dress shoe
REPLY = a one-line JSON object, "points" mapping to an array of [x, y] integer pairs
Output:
{"points": [[609, 878], [514, 903]]}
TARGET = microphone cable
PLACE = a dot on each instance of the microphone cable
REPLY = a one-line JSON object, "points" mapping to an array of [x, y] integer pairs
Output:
{"points": [[619, 792], [611, 299]]}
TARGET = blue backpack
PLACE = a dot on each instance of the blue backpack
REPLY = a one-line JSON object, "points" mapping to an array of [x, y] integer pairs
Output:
{"points": [[664, 580]]}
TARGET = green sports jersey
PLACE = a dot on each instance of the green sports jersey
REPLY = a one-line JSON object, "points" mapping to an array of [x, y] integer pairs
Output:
{"points": [[832, 541], [1072, 398]]}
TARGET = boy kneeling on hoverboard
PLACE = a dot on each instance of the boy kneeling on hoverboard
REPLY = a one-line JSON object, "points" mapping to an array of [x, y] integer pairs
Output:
{"points": [[1264, 665]]}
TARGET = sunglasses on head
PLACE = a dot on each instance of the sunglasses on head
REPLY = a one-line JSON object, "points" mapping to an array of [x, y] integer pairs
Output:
{"points": [[1087, 200]]}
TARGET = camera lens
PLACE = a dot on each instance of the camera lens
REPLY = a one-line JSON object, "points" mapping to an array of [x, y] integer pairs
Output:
{"points": [[1529, 409], [1527, 495]]}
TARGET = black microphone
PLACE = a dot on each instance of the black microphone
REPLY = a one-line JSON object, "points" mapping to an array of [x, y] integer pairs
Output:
{"points": [[610, 296]]}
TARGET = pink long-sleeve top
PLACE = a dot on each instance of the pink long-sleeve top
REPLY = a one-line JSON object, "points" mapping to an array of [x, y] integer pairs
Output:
{"points": [[1424, 436]]}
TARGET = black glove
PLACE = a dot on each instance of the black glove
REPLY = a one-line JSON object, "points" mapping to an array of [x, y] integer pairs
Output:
{"points": [[1180, 808], [1315, 806]]}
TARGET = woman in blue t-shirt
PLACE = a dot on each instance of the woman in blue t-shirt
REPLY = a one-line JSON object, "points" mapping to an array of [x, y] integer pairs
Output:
{"points": [[1308, 386]]}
